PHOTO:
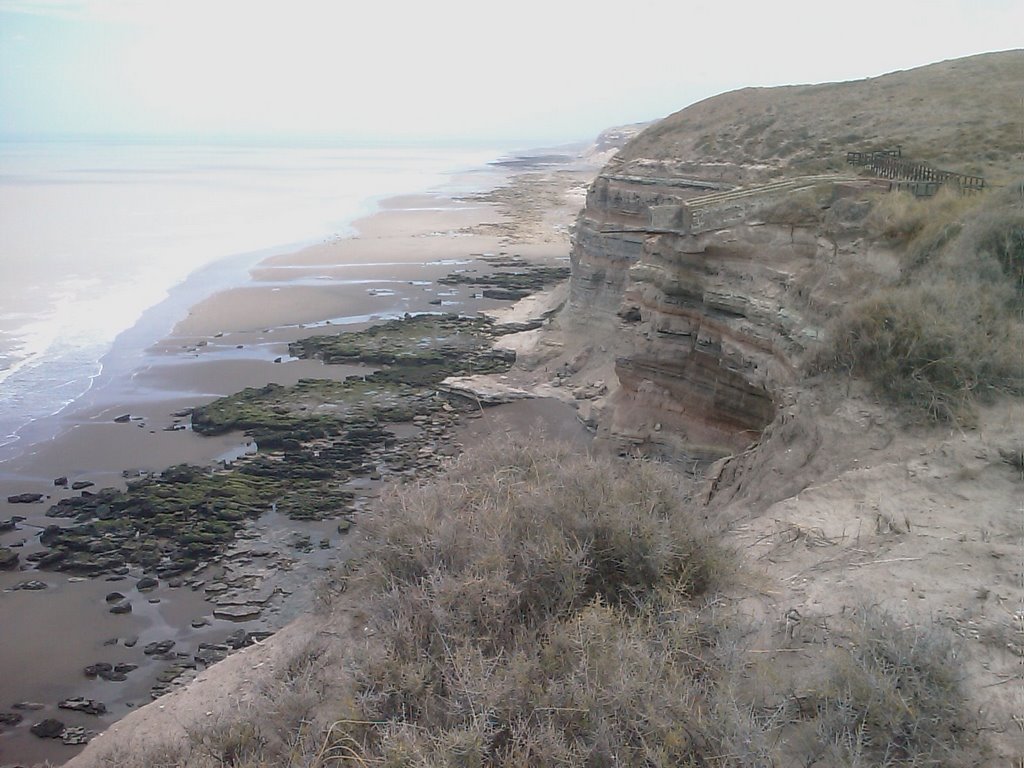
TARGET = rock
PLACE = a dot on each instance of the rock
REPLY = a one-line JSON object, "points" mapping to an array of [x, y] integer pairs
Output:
{"points": [[79, 485], [146, 584], [160, 647], [125, 667], [210, 654], [483, 389], [236, 612], [131, 641], [344, 525], [80, 704], [123, 419], [29, 706], [240, 638], [8, 559], [200, 623], [121, 608], [77, 735], [48, 729], [61, 482], [114, 597], [11, 524], [95, 669], [11, 718], [24, 498], [32, 585]]}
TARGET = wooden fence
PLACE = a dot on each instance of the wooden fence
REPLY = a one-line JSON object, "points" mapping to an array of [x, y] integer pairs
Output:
{"points": [[919, 178]]}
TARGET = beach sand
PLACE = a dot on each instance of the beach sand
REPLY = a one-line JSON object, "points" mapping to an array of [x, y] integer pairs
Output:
{"points": [[235, 339]]}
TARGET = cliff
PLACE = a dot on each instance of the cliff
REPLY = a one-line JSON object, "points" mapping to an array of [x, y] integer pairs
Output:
{"points": [[717, 246]]}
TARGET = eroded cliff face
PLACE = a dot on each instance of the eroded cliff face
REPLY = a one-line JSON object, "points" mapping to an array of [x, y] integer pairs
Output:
{"points": [[709, 296]]}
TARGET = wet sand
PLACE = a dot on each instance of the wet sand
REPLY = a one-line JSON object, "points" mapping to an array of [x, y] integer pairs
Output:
{"points": [[235, 339]]}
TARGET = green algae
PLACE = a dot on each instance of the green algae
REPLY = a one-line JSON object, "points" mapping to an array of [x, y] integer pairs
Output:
{"points": [[313, 437]]}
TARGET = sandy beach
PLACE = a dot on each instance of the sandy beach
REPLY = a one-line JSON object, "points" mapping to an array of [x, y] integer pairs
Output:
{"points": [[238, 338]]}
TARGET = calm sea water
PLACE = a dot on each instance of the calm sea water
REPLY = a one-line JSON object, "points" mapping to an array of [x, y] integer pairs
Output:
{"points": [[92, 234]]}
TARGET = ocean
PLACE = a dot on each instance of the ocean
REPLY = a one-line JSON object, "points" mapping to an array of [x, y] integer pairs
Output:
{"points": [[95, 233]]}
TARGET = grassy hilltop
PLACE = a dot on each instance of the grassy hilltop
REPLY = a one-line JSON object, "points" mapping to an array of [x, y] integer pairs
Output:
{"points": [[964, 115]]}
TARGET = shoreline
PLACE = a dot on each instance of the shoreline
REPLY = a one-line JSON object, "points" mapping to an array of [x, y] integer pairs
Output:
{"points": [[225, 344]]}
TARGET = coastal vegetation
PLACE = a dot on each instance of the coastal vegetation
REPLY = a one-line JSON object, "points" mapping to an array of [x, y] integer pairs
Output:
{"points": [[535, 606], [949, 332]]}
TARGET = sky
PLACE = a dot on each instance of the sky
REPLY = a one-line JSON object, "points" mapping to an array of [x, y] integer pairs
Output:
{"points": [[530, 70]]}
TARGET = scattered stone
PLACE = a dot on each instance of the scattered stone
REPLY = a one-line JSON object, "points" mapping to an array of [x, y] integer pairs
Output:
{"points": [[241, 639], [124, 667], [80, 485], [121, 608], [114, 597], [209, 653], [80, 704], [236, 612], [172, 673], [147, 584], [131, 641], [32, 585], [11, 524], [8, 559], [200, 623], [123, 419], [29, 706], [11, 718], [24, 498], [344, 525], [76, 735], [49, 728], [161, 647], [94, 670], [61, 482]]}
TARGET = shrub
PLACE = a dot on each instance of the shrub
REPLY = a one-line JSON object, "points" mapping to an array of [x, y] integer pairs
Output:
{"points": [[893, 698], [935, 346], [997, 235], [950, 331], [535, 608]]}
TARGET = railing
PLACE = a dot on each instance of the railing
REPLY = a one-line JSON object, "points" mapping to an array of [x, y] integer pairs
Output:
{"points": [[919, 178]]}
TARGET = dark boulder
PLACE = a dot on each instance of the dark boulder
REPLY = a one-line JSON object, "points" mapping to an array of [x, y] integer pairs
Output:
{"points": [[8, 559], [24, 498], [79, 704], [49, 728]]}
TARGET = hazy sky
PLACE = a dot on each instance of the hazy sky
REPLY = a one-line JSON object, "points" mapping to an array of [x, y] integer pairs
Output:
{"points": [[524, 70]]}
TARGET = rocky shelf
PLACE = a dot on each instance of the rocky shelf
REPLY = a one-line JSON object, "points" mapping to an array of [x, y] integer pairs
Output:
{"points": [[313, 438]]}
